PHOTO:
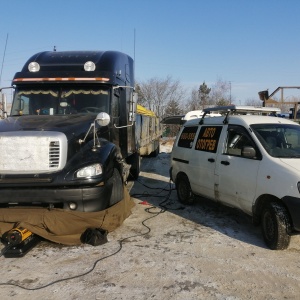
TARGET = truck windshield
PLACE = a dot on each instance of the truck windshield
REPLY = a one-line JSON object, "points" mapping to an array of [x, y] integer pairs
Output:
{"points": [[279, 140], [59, 101]]}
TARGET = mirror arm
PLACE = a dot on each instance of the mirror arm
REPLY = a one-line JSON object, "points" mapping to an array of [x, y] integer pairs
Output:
{"points": [[100, 117], [95, 137], [82, 141]]}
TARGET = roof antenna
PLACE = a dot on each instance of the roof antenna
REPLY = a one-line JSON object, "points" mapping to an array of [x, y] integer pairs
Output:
{"points": [[54, 48], [134, 50]]}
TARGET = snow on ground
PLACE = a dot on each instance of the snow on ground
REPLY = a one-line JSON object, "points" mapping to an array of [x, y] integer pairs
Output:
{"points": [[166, 145], [164, 250]]}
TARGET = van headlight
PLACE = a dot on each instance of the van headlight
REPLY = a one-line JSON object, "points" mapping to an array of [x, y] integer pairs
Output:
{"points": [[89, 171]]}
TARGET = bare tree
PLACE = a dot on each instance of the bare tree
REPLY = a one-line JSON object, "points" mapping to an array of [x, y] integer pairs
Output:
{"points": [[155, 94], [253, 102], [221, 93], [173, 108], [193, 103]]}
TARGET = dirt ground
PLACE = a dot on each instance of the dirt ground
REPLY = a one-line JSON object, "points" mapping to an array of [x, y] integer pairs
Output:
{"points": [[164, 250]]}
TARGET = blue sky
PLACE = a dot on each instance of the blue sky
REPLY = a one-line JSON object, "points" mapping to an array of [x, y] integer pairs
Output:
{"points": [[254, 44]]}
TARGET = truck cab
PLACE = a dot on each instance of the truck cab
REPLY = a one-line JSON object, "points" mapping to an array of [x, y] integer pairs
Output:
{"points": [[69, 141]]}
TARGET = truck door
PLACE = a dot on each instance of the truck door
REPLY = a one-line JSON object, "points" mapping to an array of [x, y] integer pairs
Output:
{"points": [[203, 160], [235, 174]]}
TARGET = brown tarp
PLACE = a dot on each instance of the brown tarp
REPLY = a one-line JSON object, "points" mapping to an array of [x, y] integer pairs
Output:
{"points": [[62, 226]]}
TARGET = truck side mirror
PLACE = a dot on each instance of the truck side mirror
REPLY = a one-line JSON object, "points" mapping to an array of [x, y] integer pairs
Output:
{"points": [[103, 119], [3, 102]]}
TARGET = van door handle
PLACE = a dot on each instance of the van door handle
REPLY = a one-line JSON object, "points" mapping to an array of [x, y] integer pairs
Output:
{"points": [[224, 162], [211, 160]]}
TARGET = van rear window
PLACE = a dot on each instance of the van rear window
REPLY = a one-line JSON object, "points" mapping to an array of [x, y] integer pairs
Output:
{"points": [[208, 138], [187, 137]]}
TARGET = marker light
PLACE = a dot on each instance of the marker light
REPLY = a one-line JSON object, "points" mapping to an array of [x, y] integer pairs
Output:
{"points": [[33, 67], [89, 66]]}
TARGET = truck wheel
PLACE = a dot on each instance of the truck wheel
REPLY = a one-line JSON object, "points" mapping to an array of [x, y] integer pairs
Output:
{"points": [[135, 162], [184, 192], [275, 225], [117, 193], [156, 151]]}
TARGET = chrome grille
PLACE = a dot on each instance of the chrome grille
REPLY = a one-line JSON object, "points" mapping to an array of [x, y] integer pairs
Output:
{"points": [[32, 152], [54, 148]]}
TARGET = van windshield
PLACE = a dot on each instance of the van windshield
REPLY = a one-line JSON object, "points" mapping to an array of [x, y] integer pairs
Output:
{"points": [[59, 100], [279, 140]]}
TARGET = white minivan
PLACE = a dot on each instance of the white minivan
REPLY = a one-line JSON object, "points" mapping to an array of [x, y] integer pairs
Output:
{"points": [[246, 159]]}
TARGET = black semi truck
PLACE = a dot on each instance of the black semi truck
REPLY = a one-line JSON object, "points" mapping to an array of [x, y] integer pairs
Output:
{"points": [[71, 139]]}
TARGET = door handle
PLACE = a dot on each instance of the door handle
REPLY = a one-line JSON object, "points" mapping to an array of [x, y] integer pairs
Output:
{"points": [[224, 162], [211, 160]]}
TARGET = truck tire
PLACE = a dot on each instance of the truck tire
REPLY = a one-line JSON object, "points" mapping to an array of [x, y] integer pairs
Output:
{"points": [[156, 151], [117, 193], [275, 225], [135, 162], [184, 192]]}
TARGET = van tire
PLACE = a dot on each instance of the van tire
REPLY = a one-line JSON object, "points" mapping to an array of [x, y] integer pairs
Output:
{"points": [[275, 225], [117, 192], [184, 191]]}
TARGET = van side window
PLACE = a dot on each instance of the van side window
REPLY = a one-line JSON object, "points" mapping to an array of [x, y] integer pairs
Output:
{"points": [[237, 139], [187, 137], [208, 138]]}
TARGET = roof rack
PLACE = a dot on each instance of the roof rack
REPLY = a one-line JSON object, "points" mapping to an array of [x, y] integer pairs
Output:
{"points": [[243, 109], [239, 109]]}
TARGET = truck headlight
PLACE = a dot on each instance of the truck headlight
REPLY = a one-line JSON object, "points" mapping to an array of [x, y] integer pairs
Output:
{"points": [[89, 171]]}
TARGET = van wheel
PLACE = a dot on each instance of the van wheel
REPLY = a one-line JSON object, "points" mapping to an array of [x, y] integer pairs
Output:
{"points": [[275, 225], [117, 192], [184, 192]]}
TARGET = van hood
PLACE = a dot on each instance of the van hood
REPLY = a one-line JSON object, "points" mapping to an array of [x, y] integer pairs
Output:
{"points": [[293, 163]]}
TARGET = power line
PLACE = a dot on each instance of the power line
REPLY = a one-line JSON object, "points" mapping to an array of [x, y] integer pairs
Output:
{"points": [[3, 59]]}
